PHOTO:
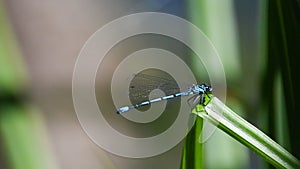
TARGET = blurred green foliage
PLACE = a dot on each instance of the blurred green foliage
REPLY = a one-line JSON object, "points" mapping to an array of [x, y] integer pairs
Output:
{"points": [[13, 77], [283, 58], [264, 83], [23, 139]]}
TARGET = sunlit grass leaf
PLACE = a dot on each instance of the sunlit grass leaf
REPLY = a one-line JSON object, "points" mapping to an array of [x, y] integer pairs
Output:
{"points": [[225, 119]]}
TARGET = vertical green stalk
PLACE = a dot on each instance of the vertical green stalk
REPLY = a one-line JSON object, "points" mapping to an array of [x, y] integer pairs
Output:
{"points": [[217, 20], [192, 156]]}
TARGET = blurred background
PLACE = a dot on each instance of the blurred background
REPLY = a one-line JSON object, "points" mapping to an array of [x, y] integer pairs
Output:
{"points": [[40, 41]]}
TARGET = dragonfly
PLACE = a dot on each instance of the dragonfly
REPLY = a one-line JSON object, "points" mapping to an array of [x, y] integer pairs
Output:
{"points": [[199, 89], [143, 83]]}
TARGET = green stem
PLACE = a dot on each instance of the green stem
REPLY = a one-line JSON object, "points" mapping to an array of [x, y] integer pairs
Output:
{"points": [[192, 155], [224, 118]]}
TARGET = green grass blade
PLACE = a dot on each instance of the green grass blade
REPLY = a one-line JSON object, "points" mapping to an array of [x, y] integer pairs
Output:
{"points": [[192, 155], [224, 118]]}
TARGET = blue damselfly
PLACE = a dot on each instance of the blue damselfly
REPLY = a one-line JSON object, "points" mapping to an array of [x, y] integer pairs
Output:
{"points": [[198, 90]]}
